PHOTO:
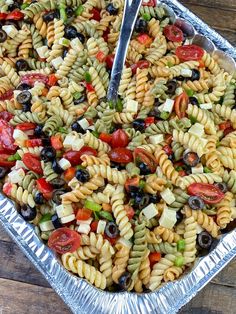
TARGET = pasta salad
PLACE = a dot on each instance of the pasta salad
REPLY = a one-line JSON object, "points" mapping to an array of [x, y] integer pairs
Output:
{"points": [[128, 193]]}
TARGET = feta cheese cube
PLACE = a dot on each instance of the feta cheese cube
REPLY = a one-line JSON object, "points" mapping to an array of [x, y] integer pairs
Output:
{"points": [[179, 90], [78, 144], [65, 220], [76, 45], [186, 72], [168, 105], [206, 106], [197, 169], [20, 137], [197, 129], [73, 183], [150, 211], [69, 140], [131, 106], [87, 222], [156, 139], [168, 218], [168, 196], [83, 228], [16, 176], [84, 123], [19, 164], [64, 163], [57, 62], [43, 52], [46, 226], [10, 30], [101, 226], [64, 210]]}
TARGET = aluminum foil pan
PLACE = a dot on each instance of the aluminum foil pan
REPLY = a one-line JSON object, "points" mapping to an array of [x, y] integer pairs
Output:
{"points": [[79, 295]]}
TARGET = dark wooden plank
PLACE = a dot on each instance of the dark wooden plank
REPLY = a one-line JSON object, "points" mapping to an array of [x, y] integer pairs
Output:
{"points": [[219, 4], [15, 265], [21, 298], [227, 277], [213, 299]]}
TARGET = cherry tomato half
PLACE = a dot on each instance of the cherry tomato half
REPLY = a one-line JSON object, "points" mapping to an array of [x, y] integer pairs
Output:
{"points": [[189, 52], [121, 155], [45, 188], [181, 104], [26, 126], [89, 87], [154, 258], [5, 115], [131, 182], [148, 121], [56, 142], [94, 226], [129, 211], [4, 161], [173, 33], [142, 64], [83, 214], [30, 79], [3, 16], [64, 240], [208, 192], [119, 139], [6, 137], [105, 137], [141, 155], [74, 156], [32, 162], [15, 15], [34, 142], [149, 3]]}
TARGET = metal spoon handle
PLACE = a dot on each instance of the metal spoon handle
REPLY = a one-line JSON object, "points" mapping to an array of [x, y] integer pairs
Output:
{"points": [[131, 10]]}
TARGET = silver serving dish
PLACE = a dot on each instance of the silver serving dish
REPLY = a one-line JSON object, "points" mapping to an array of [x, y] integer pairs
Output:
{"points": [[82, 297]]}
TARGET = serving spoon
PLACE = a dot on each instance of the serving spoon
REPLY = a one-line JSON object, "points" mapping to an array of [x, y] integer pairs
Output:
{"points": [[131, 10]]}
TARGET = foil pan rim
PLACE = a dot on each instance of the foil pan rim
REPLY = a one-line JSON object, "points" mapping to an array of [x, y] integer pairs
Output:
{"points": [[80, 296]]}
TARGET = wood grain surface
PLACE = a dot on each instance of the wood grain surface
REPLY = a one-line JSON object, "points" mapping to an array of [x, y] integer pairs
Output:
{"points": [[24, 290]]}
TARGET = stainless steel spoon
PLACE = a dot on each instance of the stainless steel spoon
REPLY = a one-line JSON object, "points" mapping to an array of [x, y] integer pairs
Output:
{"points": [[131, 10]]}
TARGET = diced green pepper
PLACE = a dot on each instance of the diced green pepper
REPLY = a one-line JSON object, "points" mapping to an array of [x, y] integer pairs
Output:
{"points": [[106, 215], [119, 105], [87, 77], [96, 134], [24, 6], [207, 170], [63, 130], [79, 10], [63, 15], [14, 157], [192, 119], [79, 167], [77, 95], [170, 64], [181, 245], [146, 16], [45, 218], [179, 168], [164, 115], [179, 261], [93, 206], [189, 92], [111, 104], [142, 184]]}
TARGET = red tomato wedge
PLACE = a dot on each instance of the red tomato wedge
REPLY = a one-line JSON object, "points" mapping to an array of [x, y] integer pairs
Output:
{"points": [[100, 56], [168, 139], [26, 126], [6, 116], [52, 80], [45, 188], [129, 211], [7, 187], [131, 182], [181, 104], [74, 156], [141, 155], [7, 96], [89, 87], [6, 137], [56, 142], [15, 15], [4, 161], [144, 39], [149, 3], [173, 33], [3, 16], [83, 214], [94, 226], [69, 174], [225, 125], [142, 64], [109, 61], [32, 162], [33, 142], [121, 155], [189, 53], [119, 139], [30, 79], [167, 149], [105, 137], [64, 240], [208, 192], [154, 258], [111, 240], [149, 121], [96, 14]]}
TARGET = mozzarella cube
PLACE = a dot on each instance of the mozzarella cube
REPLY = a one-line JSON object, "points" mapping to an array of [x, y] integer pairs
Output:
{"points": [[159, 172], [20, 137], [168, 105], [64, 42], [64, 163], [197, 169], [57, 62], [109, 189], [156, 139], [186, 72], [84, 123], [46, 226], [78, 144], [101, 226], [206, 106], [83, 228], [64, 210], [76, 45], [73, 183], [19, 164], [168, 218], [167, 196], [87, 222], [131, 106], [10, 30], [69, 140], [125, 242], [150, 211], [43, 52], [197, 129], [65, 220], [179, 90], [16, 176], [92, 128]]}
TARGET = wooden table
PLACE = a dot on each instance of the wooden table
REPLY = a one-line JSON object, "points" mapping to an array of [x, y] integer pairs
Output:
{"points": [[24, 290]]}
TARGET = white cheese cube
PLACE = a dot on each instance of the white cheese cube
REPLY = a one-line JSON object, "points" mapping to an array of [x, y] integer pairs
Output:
{"points": [[83, 228], [64, 42], [78, 144], [64, 210], [10, 30], [46, 226], [168, 196], [150, 211], [69, 140], [43, 52], [159, 172], [19, 164], [86, 222], [76, 45], [197, 129], [64, 163], [101, 226], [156, 139], [131, 106], [168, 105], [206, 106], [9, 2], [92, 128], [57, 62], [186, 72], [109, 189], [125, 242], [84, 123], [73, 183], [168, 218], [179, 90], [20, 137], [16, 176], [65, 220], [197, 169], [199, 229]]}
